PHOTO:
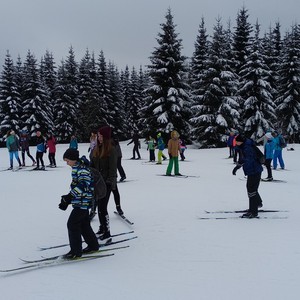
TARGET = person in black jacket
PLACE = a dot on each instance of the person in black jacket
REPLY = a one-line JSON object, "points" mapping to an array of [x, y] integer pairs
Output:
{"points": [[252, 169], [40, 150], [24, 143]]}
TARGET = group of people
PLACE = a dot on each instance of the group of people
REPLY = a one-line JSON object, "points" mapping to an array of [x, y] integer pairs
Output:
{"points": [[15, 143], [252, 167], [105, 156]]}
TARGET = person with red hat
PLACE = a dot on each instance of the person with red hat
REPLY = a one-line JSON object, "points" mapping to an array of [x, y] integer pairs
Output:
{"points": [[104, 159]]}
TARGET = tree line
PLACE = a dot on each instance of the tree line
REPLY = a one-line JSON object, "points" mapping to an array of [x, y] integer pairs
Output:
{"points": [[236, 79]]}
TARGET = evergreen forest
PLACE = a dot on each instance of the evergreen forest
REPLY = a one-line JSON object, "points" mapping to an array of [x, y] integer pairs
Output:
{"points": [[237, 79]]}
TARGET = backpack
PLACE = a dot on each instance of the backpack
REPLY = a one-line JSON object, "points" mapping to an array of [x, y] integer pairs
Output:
{"points": [[282, 142], [259, 155], [98, 183]]}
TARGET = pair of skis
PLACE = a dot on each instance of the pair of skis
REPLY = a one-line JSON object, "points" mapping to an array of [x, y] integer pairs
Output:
{"points": [[59, 259], [223, 217]]}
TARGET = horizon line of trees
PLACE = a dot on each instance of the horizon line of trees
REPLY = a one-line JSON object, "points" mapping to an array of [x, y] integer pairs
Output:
{"points": [[235, 80]]}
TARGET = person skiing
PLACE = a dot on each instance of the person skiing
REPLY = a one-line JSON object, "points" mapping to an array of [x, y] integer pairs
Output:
{"points": [[40, 150], [12, 144], [230, 144], [173, 150], [252, 169], [104, 159], [136, 146], [277, 138], [80, 197], [51, 146], [119, 159], [269, 154], [73, 142], [183, 147], [161, 147], [24, 143], [151, 143]]}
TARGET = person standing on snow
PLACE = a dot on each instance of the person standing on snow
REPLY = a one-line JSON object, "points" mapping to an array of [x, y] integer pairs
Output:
{"points": [[252, 169], [24, 143], [161, 147], [104, 159], [40, 150], [81, 197], [277, 150], [173, 150], [151, 143], [12, 144], [136, 146], [51, 146], [269, 154]]}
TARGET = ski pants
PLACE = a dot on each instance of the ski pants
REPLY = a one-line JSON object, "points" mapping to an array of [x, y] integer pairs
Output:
{"points": [[120, 168], [39, 159], [102, 210], [278, 155], [28, 154], [173, 160], [252, 190], [79, 225]]}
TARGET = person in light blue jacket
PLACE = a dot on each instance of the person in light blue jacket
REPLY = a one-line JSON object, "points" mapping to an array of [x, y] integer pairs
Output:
{"points": [[277, 151], [269, 154]]}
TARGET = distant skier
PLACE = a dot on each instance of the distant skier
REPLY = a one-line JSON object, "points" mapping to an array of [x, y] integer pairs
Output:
{"points": [[24, 143], [173, 150], [12, 144], [161, 147], [136, 146], [40, 150]]}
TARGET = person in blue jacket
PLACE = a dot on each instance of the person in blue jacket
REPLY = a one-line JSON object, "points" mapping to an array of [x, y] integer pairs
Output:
{"points": [[252, 169], [277, 151], [269, 154], [80, 197]]}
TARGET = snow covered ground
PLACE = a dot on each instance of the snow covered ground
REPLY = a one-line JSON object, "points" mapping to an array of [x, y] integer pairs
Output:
{"points": [[176, 255]]}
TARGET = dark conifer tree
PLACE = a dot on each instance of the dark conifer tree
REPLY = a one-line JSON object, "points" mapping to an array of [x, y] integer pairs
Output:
{"points": [[215, 109], [67, 101], [9, 98], [288, 101], [256, 92], [168, 104], [36, 112]]}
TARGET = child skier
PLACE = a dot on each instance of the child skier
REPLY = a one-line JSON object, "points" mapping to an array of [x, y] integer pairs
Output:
{"points": [[81, 197]]}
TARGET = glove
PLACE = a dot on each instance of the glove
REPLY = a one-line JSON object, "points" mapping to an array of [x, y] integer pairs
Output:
{"points": [[65, 201], [238, 166]]}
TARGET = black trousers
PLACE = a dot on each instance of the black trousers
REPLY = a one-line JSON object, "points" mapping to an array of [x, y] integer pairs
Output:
{"points": [[51, 157], [28, 154], [253, 182], [79, 225], [120, 168], [268, 166], [39, 159], [136, 150]]}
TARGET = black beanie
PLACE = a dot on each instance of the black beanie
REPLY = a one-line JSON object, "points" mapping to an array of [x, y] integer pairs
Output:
{"points": [[71, 154], [240, 138]]}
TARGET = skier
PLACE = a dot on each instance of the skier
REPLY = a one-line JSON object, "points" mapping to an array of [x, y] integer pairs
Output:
{"points": [[151, 148], [51, 146], [252, 169], [24, 143], [80, 196], [161, 147], [119, 160], [277, 150], [230, 144], [182, 149], [269, 154], [136, 146], [173, 150], [104, 159], [40, 150], [12, 144], [93, 142], [73, 142]]}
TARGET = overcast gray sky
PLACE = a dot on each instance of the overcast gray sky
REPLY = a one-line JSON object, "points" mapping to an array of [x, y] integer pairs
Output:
{"points": [[125, 30]]}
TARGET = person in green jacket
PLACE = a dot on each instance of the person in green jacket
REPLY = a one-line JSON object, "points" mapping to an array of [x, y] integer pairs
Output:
{"points": [[13, 146]]}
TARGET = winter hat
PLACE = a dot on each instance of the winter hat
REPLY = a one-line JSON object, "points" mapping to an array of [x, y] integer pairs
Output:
{"points": [[240, 138], [105, 131], [71, 154]]}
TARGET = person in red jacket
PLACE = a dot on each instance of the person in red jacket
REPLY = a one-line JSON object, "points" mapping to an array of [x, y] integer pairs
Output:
{"points": [[51, 146]]}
